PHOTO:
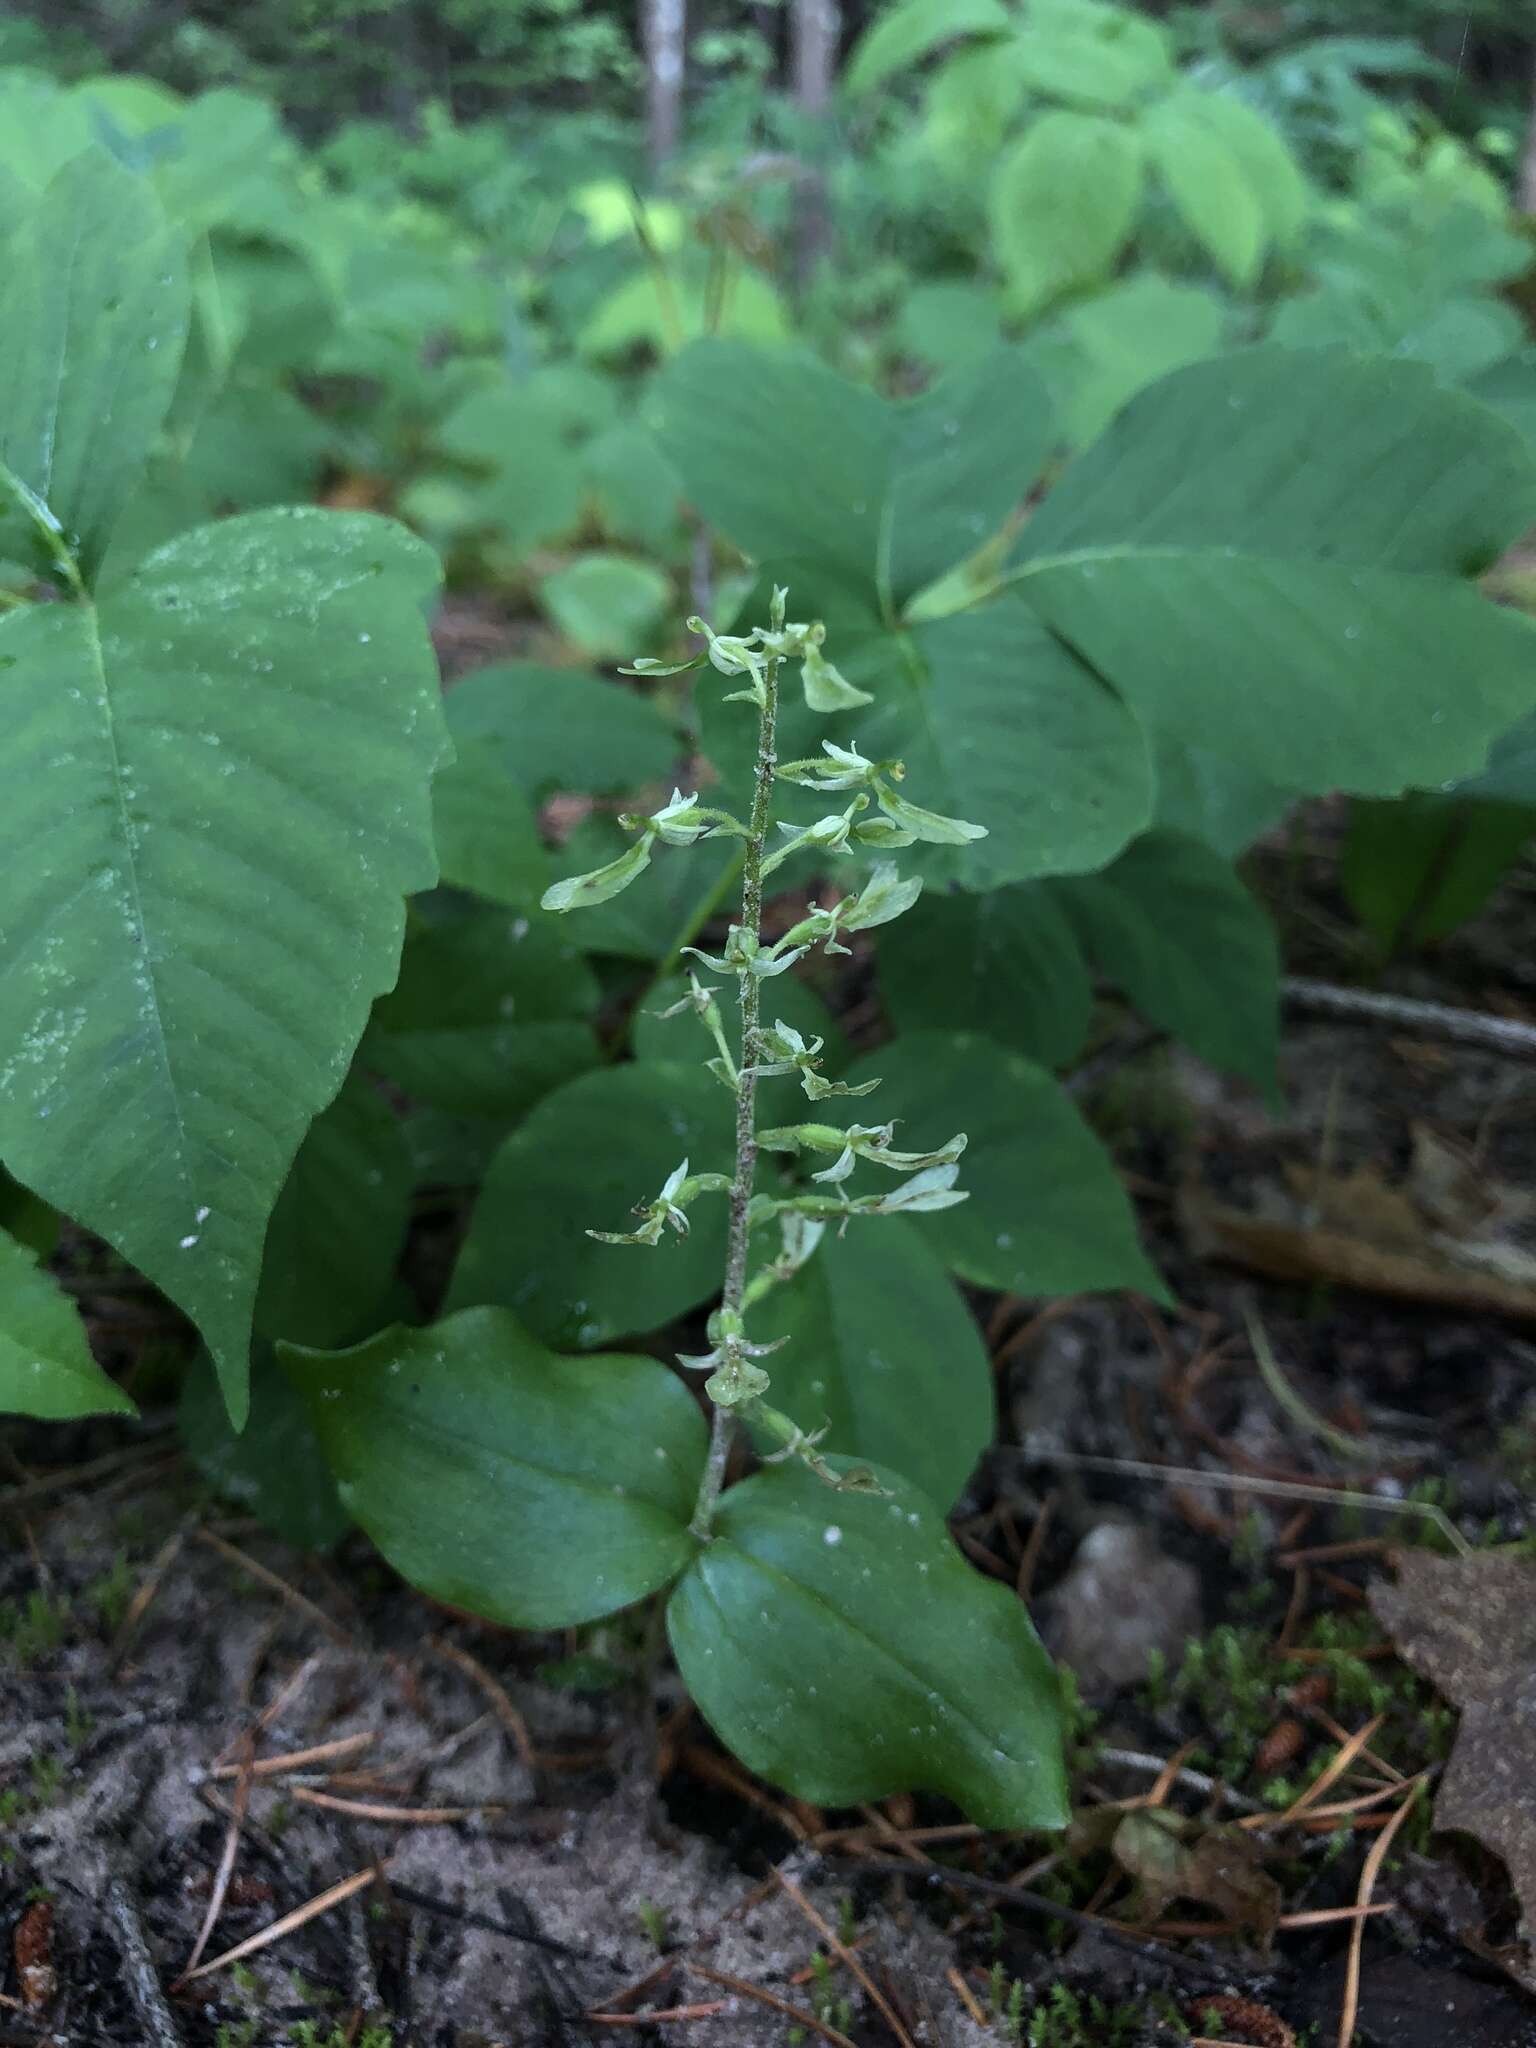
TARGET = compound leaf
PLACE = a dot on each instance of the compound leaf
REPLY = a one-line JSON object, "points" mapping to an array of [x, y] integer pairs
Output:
{"points": [[1063, 203], [46, 1367], [95, 320], [213, 800], [339, 1223], [1263, 555]]}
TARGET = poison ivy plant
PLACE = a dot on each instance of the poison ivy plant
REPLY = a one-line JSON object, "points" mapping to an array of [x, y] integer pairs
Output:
{"points": [[214, 793], [46, 1367], [274, 1468], [1168, 922], [1109, 139]]}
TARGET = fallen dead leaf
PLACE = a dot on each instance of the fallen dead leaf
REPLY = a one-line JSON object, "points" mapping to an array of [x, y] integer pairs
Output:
{"points": [[1172, 1857], [1468, 1625], [33, 1946], [1449, 1233]]}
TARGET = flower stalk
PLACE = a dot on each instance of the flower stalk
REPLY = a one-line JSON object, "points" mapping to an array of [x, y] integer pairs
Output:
{"points": [[876, 821], [734, 1368]]}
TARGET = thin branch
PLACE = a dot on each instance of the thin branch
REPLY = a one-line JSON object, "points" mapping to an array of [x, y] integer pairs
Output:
{"points": [[1504, 1035]]}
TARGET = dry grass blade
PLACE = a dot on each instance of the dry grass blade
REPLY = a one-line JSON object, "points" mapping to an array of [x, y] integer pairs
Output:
{"points": [[148, 1587], [406, 1816], [848, 1959], [1328, 1916], [300, 1759], [501, 1700], [1343, 1757], [1278, 1489], [322, 1902], [268, 1577], [716, 1770], [1368, 1877], [226, 1869], [966, 1995], [796, 2014], [710, 2011]]}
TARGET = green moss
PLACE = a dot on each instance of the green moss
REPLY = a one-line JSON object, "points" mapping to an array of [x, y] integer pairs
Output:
{"points": [[34, 1627], [1237, 1688]]}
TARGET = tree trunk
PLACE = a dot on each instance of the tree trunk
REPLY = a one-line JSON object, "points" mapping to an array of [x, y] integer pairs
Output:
{"points": [[664, 36], [815, 28], [1528, 161]]}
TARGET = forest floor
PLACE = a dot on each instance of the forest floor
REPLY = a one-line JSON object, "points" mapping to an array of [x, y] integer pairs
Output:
{"points": [[251, 1798]]}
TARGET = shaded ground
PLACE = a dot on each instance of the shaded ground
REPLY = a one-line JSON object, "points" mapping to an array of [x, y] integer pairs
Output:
{"points": [[514, 1876]]}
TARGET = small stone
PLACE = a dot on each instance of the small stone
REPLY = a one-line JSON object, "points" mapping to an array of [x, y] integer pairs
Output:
{"points": [[1122, 1600]]}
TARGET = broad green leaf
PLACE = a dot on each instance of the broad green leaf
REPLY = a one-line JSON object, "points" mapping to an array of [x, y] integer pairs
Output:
{"points": [[256, 445], [970, 108], [884, 1353], [842, 1648], [949, 322], [274, 1468], [906, 33], [46, 1367], [1510, 388], [1269, 170], [999, 724], [1207, 796], [719, 405], [561, 728], [885, 497], [647, 312], [1062, 203], [538, 1491], [487, 835], [1510, 776], [214, 797], [533, 492], [1208, 184], [1172, 926], [1114, 344], [965, 455], [638, 492], [1098, 56], [32, 1223], [1046, 1213], [492, 1073], [95, 319], [1262, 555], [1007, 962], [995, 720], [1168, 922], [484, 1018], [1415, 869], [586, 1155], [339, 1223], [607, 605]]}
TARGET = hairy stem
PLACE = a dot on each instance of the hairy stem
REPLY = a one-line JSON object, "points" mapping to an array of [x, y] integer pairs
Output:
{"points": [[750, 985]]}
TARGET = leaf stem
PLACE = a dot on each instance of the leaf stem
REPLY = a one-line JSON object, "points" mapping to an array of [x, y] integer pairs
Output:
{"points": [[750, 985]]}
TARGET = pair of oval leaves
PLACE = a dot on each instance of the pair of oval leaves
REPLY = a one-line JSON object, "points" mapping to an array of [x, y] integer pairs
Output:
{"points": [[837, 1642]]}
